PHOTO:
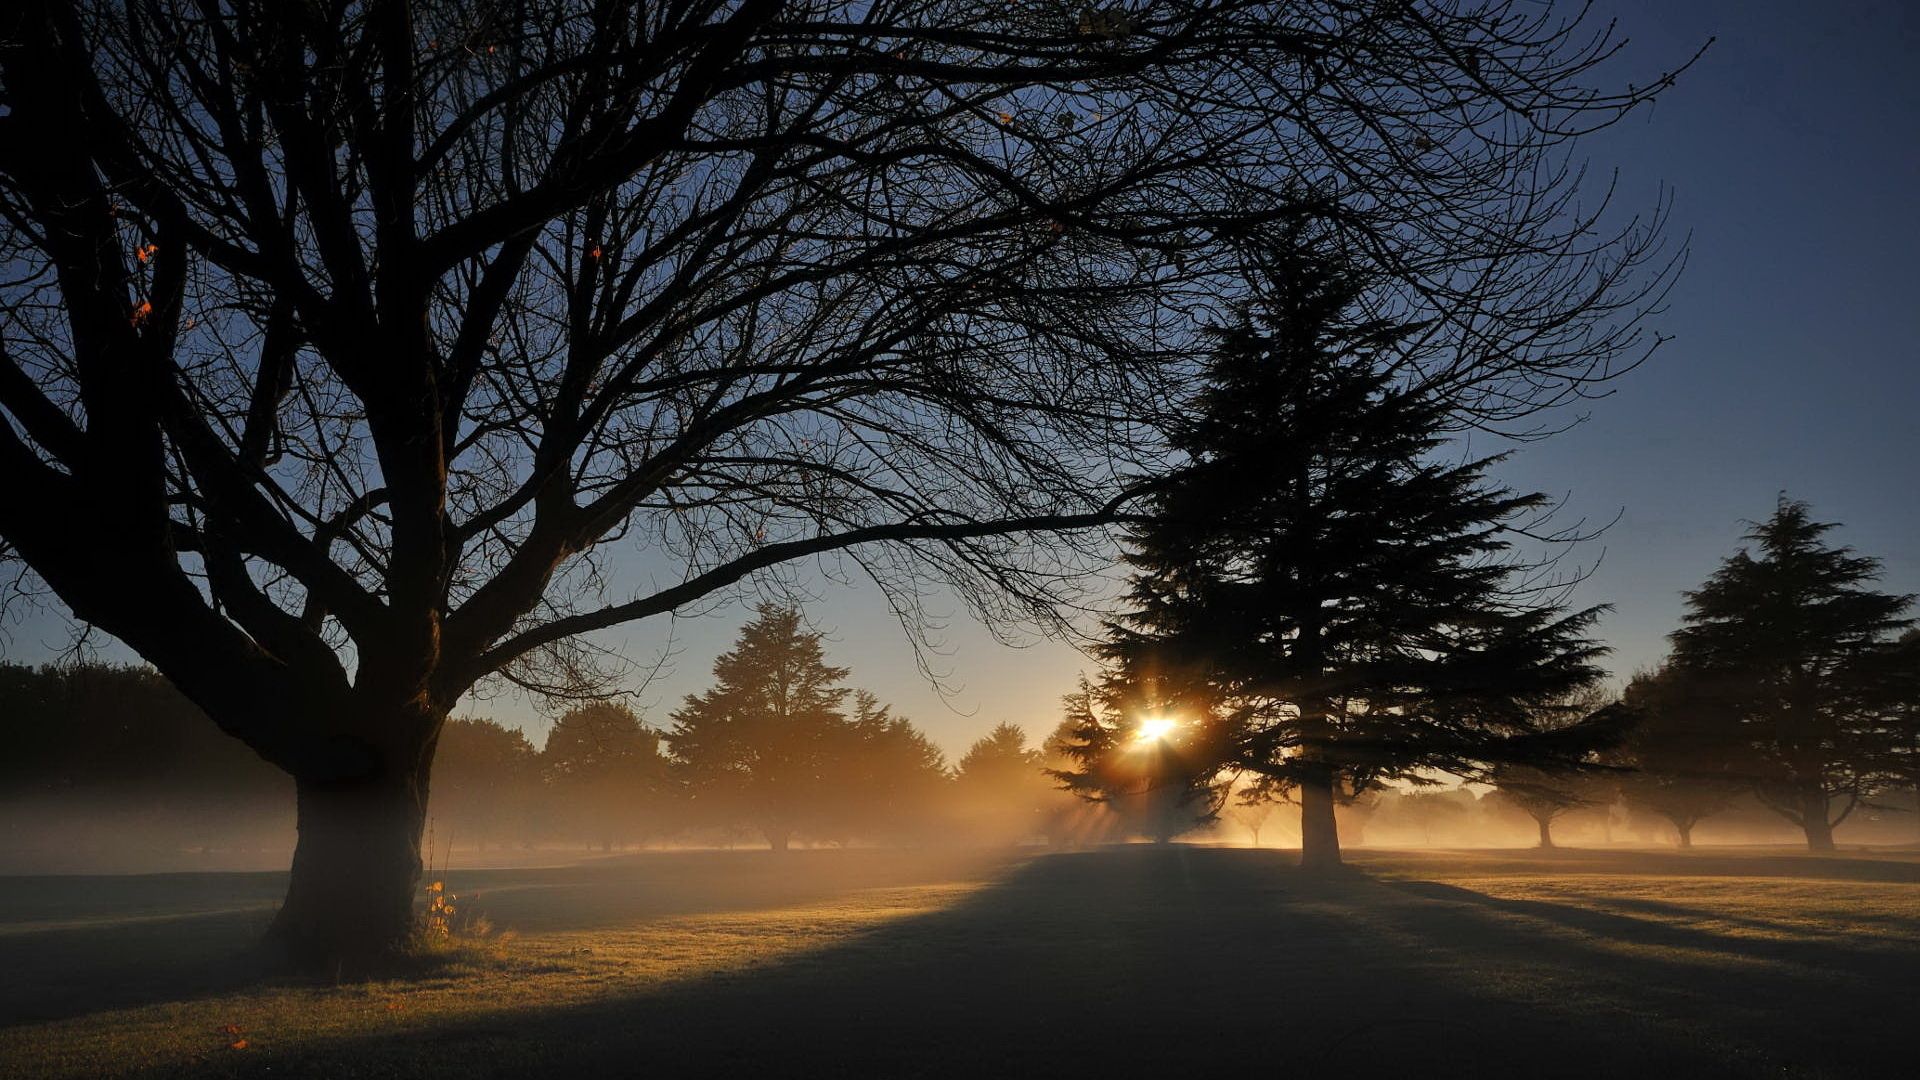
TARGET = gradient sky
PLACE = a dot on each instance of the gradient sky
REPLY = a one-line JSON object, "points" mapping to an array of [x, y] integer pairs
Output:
{"points": [[1793, 154]]}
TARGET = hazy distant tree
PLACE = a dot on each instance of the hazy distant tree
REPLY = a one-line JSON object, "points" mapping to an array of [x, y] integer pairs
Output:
{"points": [[1159, 773], [1683, 753], [884, 779], [756, 748], [1070, 818], [1542, 794], [1000, 788], [1250, 810], [1789, 639], [999, 759], [605, 776], [1545, 793], [118, 752], [1325, 568], [349, 339], [1422, 810], [485, 778]]}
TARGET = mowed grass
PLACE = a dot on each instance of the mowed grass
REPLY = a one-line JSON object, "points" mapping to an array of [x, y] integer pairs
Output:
{"points": [[1119, 961]]}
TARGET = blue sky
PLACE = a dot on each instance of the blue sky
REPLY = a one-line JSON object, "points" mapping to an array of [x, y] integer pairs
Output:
{"points": [[1793, 154]]}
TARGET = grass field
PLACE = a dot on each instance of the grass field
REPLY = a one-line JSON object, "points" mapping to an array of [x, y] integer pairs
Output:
{"points": [[1120, 962]]}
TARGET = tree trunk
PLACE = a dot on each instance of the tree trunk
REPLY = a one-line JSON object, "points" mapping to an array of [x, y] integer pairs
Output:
{"points": [[1546, 831], [356, 870], [777, 838], [1319, 834], [1813, 819], [1686, 834]]}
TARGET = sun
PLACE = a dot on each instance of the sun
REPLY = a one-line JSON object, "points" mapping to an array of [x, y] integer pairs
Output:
{"points": [[1155, 729]]}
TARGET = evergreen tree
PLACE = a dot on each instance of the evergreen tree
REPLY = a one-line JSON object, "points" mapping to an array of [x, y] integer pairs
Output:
{"points": [[1159, 771], [757, 746], [1001, 789], [999, 759], [885, 778], [1792, 642], [1320, 585]]}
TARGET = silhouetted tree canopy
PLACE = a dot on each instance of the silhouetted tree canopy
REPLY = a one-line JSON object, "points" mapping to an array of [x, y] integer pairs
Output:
{"points": [[610, 782], [1158, 773], [341, 344], [1325, 579], [1789, 639], [887, 781], [1001, 788], [485, 782], [128, 761], [1683, 753]]}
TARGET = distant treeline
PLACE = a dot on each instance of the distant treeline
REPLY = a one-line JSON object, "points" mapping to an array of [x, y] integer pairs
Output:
{"points": [[778, 750], [104, 758]]}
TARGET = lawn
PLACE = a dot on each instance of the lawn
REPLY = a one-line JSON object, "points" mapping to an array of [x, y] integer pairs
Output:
{"points": [[1120, 961]]}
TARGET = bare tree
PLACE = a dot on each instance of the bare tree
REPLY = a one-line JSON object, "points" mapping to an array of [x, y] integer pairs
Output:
{"points": [[342, 341], [1251, 811]]}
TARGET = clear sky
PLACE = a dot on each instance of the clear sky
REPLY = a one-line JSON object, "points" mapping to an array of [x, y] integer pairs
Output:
{"points": [[1793, 153]]}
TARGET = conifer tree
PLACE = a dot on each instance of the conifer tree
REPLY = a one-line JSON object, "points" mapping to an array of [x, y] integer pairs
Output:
{"points": [[1001, 791], [757, 746], [1790, 639], [1160, 773], [1327, 586], [886, 778]]}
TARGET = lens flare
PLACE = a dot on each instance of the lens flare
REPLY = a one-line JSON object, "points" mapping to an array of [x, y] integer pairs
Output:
{"points": [[1155, 729]]}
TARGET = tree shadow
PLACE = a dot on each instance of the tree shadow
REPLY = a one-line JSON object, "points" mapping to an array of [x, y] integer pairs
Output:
{"points": [[74, 945], [1179, 960], [1691, 864], [72, 972]]}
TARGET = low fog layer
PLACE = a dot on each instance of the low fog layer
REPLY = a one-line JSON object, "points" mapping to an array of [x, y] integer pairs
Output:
{"points": [[114, 772]]}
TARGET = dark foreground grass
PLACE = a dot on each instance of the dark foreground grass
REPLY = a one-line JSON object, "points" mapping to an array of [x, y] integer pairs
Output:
{"points": [[1119, 962]]}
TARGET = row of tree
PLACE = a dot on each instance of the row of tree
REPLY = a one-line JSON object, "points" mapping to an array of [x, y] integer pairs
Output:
{"points": [[1791, 680], [1327, 596], [779, 748]]}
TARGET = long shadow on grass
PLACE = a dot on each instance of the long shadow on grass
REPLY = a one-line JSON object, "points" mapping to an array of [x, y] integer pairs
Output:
{"points": [[1138, 962], [71, 945], [1776, 943]]}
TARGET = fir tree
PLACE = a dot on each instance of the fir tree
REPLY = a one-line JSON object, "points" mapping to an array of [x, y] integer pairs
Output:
{"points": [[1158, 772], [1322, 588], [758, 746], [1789, 639]]}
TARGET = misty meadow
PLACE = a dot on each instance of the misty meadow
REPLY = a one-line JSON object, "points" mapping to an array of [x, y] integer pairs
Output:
{"points": [[958, 538]]}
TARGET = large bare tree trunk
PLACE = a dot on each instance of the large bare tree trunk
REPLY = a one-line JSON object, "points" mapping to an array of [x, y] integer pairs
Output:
{"points": [[1319, 833], [1686, 834], [356, 869], [1546, 831]]}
